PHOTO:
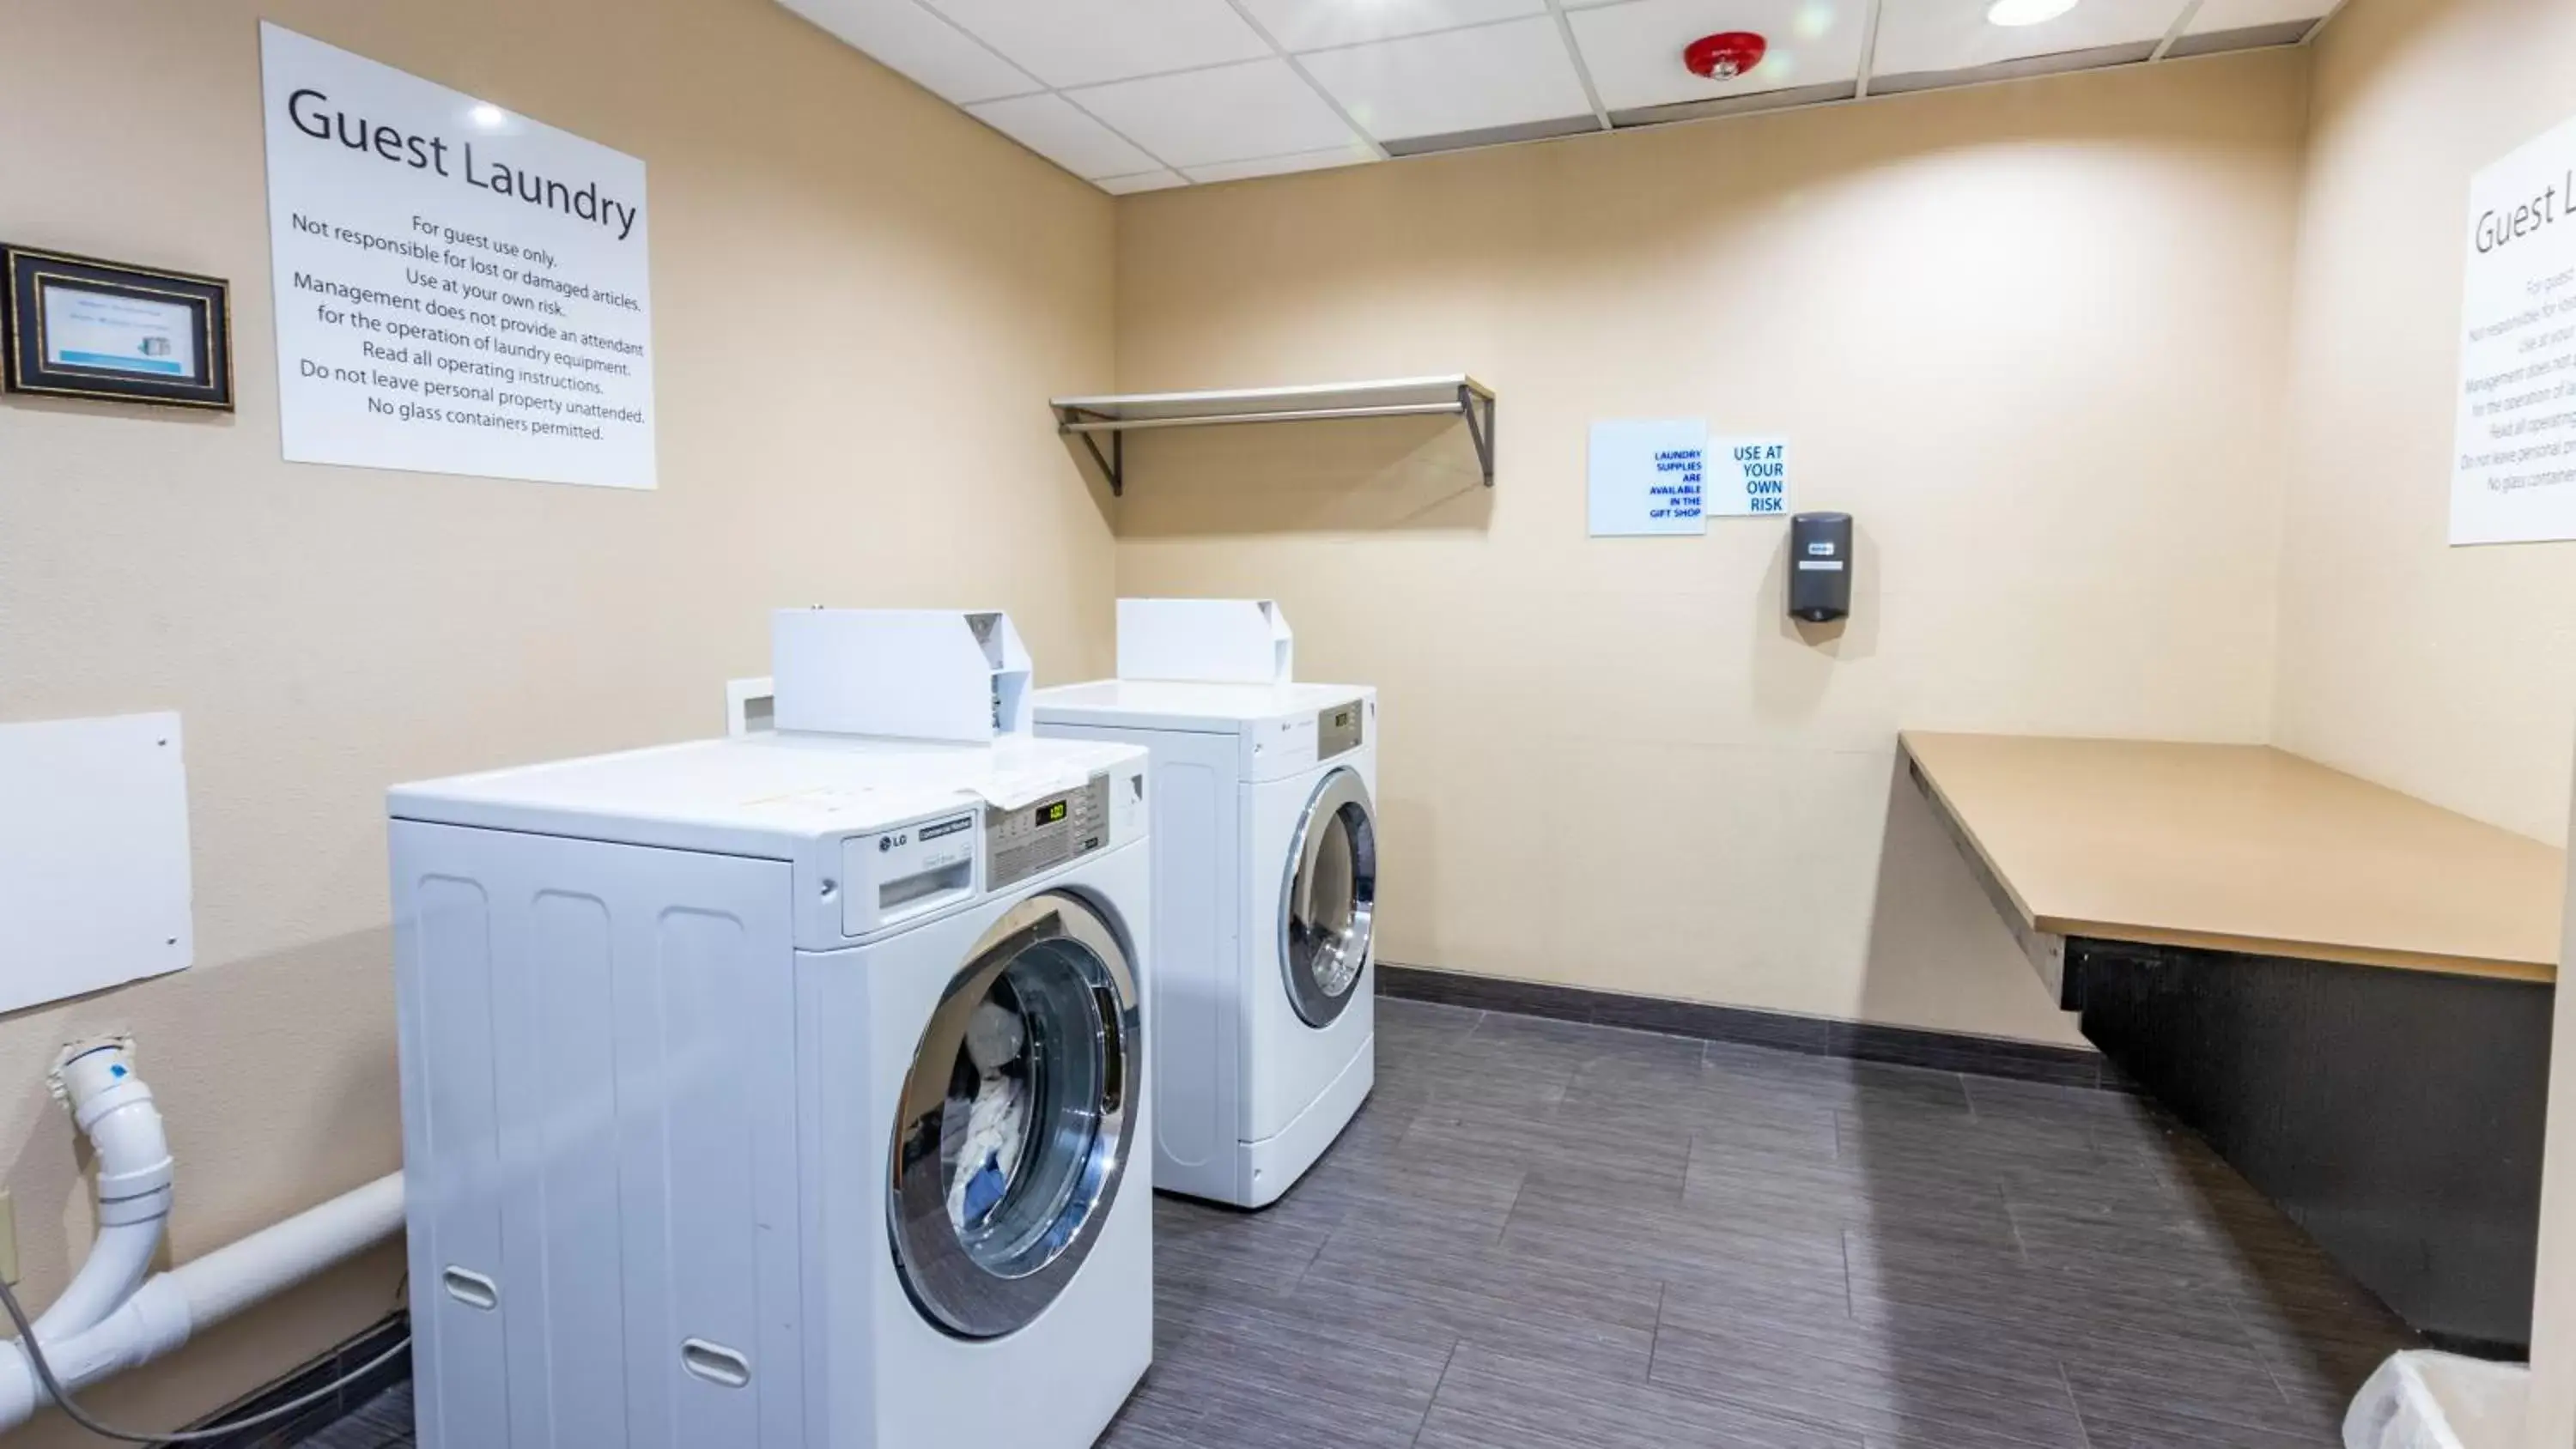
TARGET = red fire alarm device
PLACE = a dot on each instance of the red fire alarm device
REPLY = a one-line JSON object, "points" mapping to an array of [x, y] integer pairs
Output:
{"points": [[1725, 56]]}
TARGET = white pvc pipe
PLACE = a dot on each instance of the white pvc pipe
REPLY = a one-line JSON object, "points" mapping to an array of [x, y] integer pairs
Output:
{"points": [[112, 1106], [172, 1306], [230, 1279], [111, 1317], [118, 1262]]}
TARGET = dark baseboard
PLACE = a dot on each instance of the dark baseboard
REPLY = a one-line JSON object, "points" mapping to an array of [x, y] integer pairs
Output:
{"points": [[1984, 1056], [295, 1428], [2492, 1350]]}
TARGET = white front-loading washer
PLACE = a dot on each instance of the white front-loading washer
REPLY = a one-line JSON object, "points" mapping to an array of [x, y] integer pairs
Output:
{"points": [[1262, 989], [777, 1091]]}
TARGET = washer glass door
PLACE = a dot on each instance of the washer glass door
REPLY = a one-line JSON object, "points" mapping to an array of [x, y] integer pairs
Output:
{"points": [[1326, 919], [1014, 1127]]}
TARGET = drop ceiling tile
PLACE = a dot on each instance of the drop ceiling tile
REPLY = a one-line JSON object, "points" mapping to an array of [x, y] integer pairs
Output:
{"points": [[1635, 49], [1944, 35], [1142, 181], [1084, 42], [1227, 114], [1281, 165], [2218, 15], [1058, 130], [1459, 80], [944, 59], [1314, 24]]}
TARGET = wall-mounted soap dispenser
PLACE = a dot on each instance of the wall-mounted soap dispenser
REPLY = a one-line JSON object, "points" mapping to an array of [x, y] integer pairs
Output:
{"points": [[1820, 566]]}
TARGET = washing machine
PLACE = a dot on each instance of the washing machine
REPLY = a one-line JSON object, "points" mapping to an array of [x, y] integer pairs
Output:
{"points": [[1262, 990], [777, 1091]]}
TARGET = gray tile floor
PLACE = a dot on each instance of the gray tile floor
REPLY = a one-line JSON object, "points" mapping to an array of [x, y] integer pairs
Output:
{"points": [[1545, 1234], [383, 1422]]}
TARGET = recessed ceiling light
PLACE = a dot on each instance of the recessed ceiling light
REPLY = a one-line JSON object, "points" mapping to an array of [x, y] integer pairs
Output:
{"points": [[490, 117], [2027, 12]]}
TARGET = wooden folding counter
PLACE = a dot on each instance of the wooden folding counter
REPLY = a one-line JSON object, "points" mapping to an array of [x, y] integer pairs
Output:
{"points": [[2347, 990]]}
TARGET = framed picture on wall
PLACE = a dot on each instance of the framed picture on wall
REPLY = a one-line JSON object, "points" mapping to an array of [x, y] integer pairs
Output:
{"points": [[81, 327]]}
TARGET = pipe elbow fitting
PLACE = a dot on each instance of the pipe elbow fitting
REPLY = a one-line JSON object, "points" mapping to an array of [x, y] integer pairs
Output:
{"points": [[114, 1109]]}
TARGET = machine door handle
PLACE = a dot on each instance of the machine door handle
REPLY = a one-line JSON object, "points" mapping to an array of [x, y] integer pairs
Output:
{"points": [[715, 1363], [471, 1289]]}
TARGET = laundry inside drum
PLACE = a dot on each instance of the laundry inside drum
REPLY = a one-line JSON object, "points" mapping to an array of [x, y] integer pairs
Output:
{"points": [[1022, 1111]]}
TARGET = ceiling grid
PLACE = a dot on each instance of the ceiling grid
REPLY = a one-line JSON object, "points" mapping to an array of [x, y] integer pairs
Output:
{"points": [[1582, 68], [1141, 95], [1868, 49], [1272, 41], [2181, 26]]}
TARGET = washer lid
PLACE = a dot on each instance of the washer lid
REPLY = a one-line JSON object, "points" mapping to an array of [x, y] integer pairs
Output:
{"points": [[760, 794], [1158, 704]]}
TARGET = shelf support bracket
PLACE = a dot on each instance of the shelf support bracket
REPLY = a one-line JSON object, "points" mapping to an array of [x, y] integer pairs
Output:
{"points": [[1113, 464], [1479, 429], [1451, 395]]}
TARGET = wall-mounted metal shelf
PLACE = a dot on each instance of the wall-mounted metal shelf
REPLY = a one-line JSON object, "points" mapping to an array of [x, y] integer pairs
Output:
{"points": [[1454, 395]]}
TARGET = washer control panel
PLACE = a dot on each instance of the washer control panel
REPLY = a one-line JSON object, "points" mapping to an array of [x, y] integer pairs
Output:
{"points": [[1339, 729], [1020, 843]]}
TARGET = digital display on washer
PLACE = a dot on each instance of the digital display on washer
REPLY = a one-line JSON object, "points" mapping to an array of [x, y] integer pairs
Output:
{"points": [[1338, 729], [1020, 843]]}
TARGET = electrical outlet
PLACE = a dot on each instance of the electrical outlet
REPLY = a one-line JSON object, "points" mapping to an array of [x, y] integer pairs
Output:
{"points": [[8, 1238]]}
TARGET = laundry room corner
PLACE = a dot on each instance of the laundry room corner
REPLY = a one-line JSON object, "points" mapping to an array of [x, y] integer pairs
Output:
{"points": [[1993, 338]]}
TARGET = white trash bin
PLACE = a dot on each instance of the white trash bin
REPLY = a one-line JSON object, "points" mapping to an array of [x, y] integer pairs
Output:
{"points": [[2425, 1400]]}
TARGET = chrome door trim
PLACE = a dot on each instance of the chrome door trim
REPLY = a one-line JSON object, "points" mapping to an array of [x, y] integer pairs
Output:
{"points": [[956, 1292], [1320, 973]]}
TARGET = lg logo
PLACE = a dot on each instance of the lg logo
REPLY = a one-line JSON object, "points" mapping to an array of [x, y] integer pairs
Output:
{"points": [[889, 842]]}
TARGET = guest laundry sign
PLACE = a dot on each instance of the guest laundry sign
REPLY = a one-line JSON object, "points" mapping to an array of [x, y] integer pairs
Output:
{"points": [[1649, 477], [2513, 477], [458, 289], [1672, 477]]}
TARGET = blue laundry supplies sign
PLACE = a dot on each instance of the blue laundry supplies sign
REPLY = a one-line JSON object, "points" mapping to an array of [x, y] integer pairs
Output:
{"points": [[1649, 477]]}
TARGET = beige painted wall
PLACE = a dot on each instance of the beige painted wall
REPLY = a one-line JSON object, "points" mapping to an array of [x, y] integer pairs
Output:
{"points": [[2030, 335], [2448, 673], [327, 632]]}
